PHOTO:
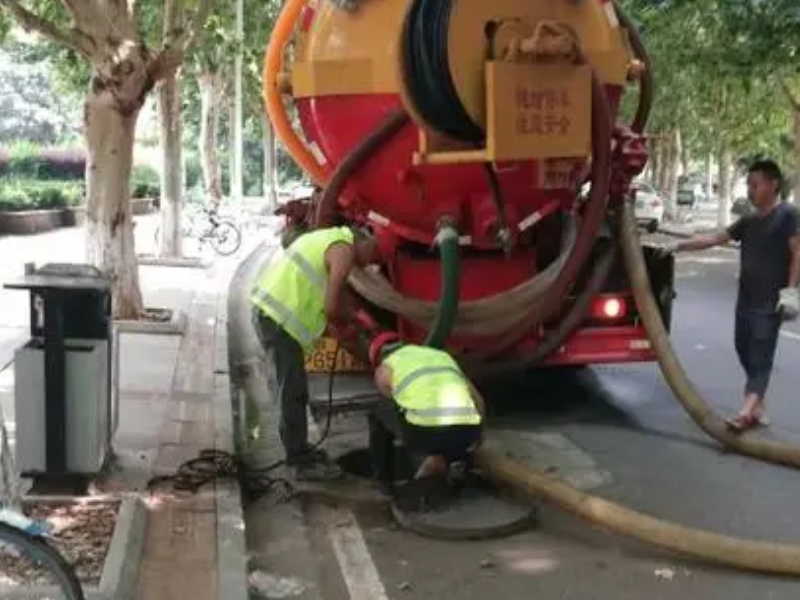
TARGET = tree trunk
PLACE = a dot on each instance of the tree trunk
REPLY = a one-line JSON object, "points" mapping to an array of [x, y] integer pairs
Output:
{"points": [[725, 187], [270, 167], [210, 84], [109, 241], [231, 147], [709, 175], [685, 166], [671, 174], [653, 164], [665, 150], [169, 113]]}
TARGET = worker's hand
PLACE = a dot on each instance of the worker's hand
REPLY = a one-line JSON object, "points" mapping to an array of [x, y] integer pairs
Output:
{"points": [[789, 303]]}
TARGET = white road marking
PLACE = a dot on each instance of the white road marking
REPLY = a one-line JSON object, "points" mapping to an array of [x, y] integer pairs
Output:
{"points": [[358, 570], [355, 561], [791, 335]]}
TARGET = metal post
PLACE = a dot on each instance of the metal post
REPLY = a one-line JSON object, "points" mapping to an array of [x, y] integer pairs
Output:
{"points": [[55, 414]]}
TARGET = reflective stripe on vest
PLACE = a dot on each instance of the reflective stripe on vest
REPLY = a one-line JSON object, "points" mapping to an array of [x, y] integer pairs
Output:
{"points": [[287, 318], [291, 289], [409, 379], [305, 266], [430, 389]]}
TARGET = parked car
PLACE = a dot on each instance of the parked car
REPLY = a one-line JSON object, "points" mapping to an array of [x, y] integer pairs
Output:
{"points": [[649, 206]]}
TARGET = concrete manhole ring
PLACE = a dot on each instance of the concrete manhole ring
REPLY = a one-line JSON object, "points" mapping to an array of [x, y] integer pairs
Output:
{"points": [[479, 512]]}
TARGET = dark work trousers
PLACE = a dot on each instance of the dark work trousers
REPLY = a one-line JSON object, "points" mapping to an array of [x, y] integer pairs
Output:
{"points": [[290, 383], [756, 339], [386, 422]]}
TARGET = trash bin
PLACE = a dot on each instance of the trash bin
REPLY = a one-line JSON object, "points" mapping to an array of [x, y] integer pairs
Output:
{"points": [[63, 374]]}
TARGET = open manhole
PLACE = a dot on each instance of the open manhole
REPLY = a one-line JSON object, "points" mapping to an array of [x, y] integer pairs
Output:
{"points": [[475, 510], [358, 463]]}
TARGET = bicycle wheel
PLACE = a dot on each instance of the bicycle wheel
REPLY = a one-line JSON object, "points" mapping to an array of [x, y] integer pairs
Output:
{"points": [[225, 238], [32, 569]]}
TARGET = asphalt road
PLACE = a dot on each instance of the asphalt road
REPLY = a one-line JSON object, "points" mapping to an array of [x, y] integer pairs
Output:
{"points": [[626, 419]]}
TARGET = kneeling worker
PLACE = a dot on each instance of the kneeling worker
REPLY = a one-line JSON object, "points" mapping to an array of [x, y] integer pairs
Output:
{"points": [[295, 299], [430, 405]]}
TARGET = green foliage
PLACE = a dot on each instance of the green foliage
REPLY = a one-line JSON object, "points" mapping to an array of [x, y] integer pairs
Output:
{"points": [[24, 159], [20, 194], [718, 66], [145, 182], [194, 170]]}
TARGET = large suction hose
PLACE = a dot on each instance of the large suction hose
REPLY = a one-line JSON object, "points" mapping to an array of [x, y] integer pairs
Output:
{"points": [[685, 392], [354, 160], [767, 557]]}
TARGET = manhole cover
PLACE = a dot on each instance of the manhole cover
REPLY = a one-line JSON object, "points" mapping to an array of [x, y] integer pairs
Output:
{"points": [[478, 511]]}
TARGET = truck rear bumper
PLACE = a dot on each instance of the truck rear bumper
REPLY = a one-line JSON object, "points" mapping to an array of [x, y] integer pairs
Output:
{"points": [[597, 345]]}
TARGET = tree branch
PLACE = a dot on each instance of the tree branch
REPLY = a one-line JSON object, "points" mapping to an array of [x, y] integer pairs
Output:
{"points": [[31, 22], [793, 99], [177, 41]]}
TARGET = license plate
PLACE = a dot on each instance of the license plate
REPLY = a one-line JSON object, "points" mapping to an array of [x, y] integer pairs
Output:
{"points": [[320, 359]]}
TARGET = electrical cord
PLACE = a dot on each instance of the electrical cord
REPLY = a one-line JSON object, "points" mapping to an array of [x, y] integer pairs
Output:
{"points": [[214, 465]]}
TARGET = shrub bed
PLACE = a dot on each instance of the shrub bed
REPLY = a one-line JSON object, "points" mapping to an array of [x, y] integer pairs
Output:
{"points": [[29, 194]]}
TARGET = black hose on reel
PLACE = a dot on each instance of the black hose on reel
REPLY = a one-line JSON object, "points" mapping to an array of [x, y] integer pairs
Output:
{"points": [[427, 71]]}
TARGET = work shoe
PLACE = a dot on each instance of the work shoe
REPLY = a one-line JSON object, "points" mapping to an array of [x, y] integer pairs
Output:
{"points": [[314, 466]]}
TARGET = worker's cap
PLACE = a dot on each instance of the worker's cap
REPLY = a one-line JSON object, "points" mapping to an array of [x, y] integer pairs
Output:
{"points": [[381, 344]]}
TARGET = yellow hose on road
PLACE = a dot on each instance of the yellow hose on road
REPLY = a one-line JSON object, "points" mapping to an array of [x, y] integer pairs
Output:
{"points": [[751, 555], [684, 390]]}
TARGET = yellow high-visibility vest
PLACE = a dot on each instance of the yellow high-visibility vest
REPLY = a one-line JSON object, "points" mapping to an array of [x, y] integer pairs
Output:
{"points": [[430, 388], [291, 291]]}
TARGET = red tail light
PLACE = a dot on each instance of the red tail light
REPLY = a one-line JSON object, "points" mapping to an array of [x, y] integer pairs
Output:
{"points": [[609, 308]]}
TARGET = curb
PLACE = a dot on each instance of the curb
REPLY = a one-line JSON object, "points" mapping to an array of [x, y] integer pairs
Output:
{"points": [[121, 567], [151, 260], [231, 545], [175, 326]]}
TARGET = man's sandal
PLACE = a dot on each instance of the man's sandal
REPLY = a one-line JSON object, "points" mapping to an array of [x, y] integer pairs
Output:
{"points": [[742, 423]]}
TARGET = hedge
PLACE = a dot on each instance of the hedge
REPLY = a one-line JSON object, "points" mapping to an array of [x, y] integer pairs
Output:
{"points": [[29, 194], [26, 160], [145, 182]]}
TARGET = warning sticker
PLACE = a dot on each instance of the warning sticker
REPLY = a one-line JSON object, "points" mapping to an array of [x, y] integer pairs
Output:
{"points": [[538, 111]]}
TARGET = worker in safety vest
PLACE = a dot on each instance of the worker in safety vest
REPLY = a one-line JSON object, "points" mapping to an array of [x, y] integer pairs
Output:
{"points": [[430, 405], [296, 297]]}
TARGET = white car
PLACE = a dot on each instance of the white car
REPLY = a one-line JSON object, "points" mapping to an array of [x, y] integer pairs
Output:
{"points": [[649, 206]]}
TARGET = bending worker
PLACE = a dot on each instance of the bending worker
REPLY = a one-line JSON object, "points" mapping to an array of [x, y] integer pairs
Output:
{"points": [[429, 403], [295, 299]]}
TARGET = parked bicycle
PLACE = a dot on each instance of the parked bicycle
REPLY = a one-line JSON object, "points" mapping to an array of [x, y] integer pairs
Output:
{"points": [[225, 237], [26, 558]]}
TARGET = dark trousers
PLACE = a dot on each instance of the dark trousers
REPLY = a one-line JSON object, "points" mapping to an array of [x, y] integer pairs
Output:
{"points": [[386, 423], [756, 339], [291, 384]]}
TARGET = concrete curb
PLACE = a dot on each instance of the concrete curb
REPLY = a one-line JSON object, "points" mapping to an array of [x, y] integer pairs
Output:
{"points": [[121, 569], [175, 326], [231, 545], [121, 566], [151, 260]]}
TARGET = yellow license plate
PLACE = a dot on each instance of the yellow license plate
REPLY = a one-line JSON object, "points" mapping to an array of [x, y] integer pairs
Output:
{"points": [[320, 359]]}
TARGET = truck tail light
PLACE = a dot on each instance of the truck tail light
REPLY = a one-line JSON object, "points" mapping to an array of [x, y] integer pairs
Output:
{"points": [[609, 308]]}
